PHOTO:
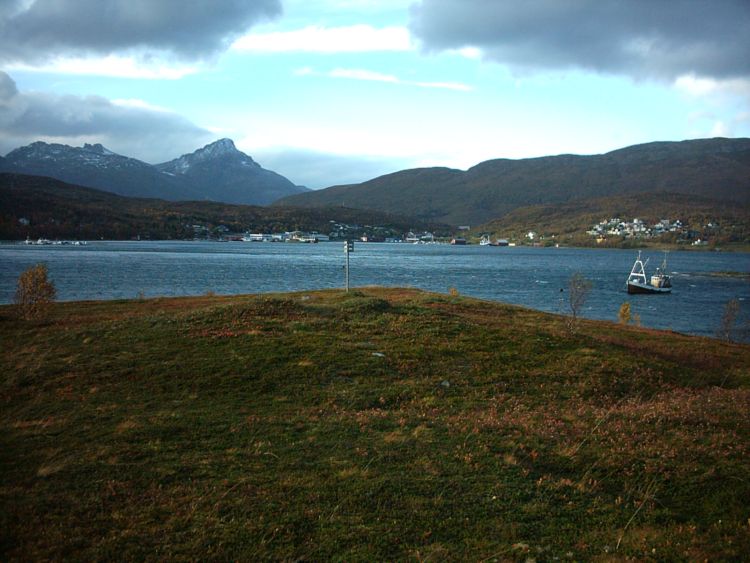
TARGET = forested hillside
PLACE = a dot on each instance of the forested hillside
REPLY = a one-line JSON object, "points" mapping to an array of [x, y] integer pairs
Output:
{"points": [[34, 206]]}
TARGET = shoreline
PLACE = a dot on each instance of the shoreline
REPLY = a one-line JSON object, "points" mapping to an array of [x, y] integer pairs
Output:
{"points": [[732, 247]]}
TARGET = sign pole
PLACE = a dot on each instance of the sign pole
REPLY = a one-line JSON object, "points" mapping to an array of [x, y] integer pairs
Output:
{"points": [[348, 247]]}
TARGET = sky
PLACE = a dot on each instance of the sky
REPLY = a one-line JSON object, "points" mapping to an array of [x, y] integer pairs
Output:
{"points": [[331, 92]]}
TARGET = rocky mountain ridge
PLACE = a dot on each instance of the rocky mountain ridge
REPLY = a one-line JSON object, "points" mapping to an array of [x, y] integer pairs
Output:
{"points": [[216, 172], [221, 165]]}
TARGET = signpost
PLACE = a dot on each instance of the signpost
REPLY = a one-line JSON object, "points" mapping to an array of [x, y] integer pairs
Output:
{"points": [[348, 247]]}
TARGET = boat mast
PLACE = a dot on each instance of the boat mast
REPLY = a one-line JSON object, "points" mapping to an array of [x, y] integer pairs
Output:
{"points": [[639, 269]]}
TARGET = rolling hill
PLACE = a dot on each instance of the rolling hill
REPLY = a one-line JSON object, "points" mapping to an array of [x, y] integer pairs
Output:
{"points": [[383, 424], [717, 168]]}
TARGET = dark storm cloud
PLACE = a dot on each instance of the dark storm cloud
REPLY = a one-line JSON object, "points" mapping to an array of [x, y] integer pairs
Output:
{"points": [[128, 129], [35, 31], [642, 38], [7, 89]]}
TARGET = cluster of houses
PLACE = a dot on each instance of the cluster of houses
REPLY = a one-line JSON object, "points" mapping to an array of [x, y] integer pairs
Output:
{"points": [[337, 231], [288, 236], [635, 228], [302, 236]]}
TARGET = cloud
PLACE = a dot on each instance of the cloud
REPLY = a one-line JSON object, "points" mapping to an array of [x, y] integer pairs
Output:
{"points": [[37, 31], [360, 74], [443, 85], [129, 127], [372, 76], [729, 99], [321, 170], [315, 39], [111, 65], [331, 6], [696, 86], [661, 39], [720, 129]]}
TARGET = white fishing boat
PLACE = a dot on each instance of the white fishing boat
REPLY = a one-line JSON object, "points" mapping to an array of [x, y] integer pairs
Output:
{"points": [[638, 282]]}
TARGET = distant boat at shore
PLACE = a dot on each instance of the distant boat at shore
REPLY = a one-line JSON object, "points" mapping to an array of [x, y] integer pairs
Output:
{"points": [[45, 242]]}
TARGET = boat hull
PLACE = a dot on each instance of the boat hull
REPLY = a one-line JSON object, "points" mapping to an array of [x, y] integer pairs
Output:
{"points": [[640, 288]]}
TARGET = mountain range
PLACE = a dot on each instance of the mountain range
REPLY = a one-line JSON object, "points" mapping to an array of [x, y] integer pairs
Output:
{"points": [[716, 168], [216, 172]]}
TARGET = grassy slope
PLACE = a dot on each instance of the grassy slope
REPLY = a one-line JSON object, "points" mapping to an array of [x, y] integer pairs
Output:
{"points": [[380, 425]]}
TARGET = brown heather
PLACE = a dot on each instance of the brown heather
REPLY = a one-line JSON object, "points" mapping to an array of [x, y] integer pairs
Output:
{"points": [[383, 424]]}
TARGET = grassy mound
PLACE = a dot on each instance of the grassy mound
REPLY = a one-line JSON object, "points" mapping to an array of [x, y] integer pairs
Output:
{"points": [[383, 424]]}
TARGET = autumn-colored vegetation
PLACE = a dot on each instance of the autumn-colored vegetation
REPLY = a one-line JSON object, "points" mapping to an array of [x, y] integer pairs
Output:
{"points": [[34, 292], [382, 424]]}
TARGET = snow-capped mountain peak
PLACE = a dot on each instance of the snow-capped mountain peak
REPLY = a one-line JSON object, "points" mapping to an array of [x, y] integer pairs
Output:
{"points": [[223, 150], [98, 148], [66, 155], [220, 146]]}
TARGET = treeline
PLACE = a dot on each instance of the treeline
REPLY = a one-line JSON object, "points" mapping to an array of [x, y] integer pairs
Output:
{"points": [[35, 206]]}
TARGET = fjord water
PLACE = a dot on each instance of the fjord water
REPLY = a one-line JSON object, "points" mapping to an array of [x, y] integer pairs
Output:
{"points": [[532, 277]]}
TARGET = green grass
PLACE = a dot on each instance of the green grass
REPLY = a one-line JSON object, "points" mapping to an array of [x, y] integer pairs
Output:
{"points": [[380, 425]]}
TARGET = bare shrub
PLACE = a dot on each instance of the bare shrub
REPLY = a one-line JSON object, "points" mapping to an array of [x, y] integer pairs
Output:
{"points": [[34, 293], [578, 291], [728, 319]]}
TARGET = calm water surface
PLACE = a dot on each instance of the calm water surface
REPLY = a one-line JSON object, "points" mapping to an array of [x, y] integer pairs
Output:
{"points": [[526, 276]]}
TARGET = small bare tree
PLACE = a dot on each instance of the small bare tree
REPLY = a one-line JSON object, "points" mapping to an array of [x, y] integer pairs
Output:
{"points": [[578, 291], [34, 293], [728, 319]]}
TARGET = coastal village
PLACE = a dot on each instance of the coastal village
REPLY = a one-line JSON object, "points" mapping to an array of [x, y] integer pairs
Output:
{"points": [[639, 229], [338, 231], [601, 232]]}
